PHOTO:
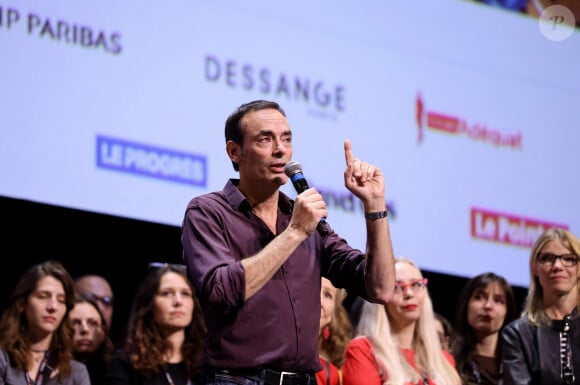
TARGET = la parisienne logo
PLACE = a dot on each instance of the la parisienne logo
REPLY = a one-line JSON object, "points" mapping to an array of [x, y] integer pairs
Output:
{"points": [[451, 124], [506, 228]]}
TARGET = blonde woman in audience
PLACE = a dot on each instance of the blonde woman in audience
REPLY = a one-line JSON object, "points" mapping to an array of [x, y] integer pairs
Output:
{"points": [[35, 339], [543, 346], [397, 343], [165, 334], [335, 333]]}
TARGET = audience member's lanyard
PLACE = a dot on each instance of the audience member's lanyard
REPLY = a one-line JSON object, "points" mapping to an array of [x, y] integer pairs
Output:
{"points": [[39, 374], [475, 371], [566, 368], [170, 380]]}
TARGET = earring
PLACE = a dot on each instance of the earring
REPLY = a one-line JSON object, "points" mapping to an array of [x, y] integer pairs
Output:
{"points": [[326, 332]]}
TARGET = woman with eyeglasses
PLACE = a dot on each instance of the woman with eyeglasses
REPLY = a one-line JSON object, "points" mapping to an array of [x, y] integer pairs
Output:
{"points": [[97, 288], [91, 343], [543, 346], [397, 343], [165, 334], [35, 338], [486, 304]]}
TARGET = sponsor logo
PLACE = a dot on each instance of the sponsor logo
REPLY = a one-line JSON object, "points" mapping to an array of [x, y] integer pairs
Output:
{"points": [[507, 228], [325, 100], [61, 31], [161, 163], [440, 122], [347, 202]]}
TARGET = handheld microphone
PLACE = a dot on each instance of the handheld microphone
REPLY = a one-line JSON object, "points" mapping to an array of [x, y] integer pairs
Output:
{"points": [[293, 170]]}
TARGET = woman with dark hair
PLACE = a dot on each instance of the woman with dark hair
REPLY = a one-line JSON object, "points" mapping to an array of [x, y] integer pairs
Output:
{"points": [[35, 338], [165, 334], [542, 347], [486, 304], [91, 343]]}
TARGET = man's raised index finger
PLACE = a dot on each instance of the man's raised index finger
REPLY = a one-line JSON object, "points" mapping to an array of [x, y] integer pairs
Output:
{"points": [[347, 152]]}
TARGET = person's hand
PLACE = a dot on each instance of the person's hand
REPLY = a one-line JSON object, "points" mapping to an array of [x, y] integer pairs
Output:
{"points": [[309, 208], [364, 180]]}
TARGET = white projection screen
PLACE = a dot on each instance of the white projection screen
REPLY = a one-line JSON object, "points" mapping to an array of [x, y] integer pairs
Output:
{"points": [[470, 111]]}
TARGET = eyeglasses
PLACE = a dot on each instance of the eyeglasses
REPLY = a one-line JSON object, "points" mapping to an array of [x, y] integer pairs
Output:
{"points": [[104, 300], [548, 259], [416, 285], [160, 265], [89, 323]]}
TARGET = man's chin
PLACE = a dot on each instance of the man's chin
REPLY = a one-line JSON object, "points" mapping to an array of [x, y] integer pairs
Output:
{"points": [[280, 180]]}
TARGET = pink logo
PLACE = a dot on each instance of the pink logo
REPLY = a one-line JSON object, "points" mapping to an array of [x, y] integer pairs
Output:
{"points": [[446, 123], [506, 228]]}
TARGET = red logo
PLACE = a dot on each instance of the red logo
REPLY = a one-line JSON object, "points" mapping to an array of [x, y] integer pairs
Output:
{"points": [[506, 228], [450, 124]]}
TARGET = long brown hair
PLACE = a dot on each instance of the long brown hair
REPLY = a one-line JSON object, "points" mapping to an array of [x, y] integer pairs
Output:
{"points": [[14, 329], [340, 332], [145, 344]]}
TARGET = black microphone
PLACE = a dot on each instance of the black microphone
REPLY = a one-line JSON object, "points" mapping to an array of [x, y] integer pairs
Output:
{"points": [[293, 170]]}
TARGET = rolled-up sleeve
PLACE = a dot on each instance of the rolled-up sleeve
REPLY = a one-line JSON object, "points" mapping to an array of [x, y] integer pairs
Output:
{"points": [[216, 273]]}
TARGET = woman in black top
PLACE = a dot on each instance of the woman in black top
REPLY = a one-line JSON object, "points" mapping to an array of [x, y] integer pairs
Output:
{"points": [[165, 333], [543, 346], [486, 305]]}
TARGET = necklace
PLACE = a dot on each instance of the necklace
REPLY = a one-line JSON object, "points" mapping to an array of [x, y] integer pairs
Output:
{"points": [[39, 374]]}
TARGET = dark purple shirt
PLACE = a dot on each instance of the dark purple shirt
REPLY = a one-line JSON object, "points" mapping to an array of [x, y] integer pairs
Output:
{"points": [[277, 328]]}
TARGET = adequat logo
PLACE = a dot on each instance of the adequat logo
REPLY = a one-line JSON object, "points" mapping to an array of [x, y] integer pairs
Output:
{"points": [[446, 123]]}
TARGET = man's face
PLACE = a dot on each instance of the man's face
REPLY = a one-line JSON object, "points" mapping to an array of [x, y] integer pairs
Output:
{"points": [[266, 148]]}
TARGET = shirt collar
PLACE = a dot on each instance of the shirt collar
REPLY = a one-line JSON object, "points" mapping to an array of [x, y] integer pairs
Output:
{"points": [[238, 201]]}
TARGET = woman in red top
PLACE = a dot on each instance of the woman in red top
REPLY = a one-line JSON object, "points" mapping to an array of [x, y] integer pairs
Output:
{"points": [[397, 344], [335, 332]]}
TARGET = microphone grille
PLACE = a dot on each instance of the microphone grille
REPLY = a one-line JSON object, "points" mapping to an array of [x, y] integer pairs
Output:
{"points": [[292, 168]]}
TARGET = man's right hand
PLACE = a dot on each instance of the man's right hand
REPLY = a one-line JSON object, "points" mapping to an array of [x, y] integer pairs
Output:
{"points": [[309, 209]]}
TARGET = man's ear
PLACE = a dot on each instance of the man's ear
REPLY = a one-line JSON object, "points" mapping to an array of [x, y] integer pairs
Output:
{"points": [[234, 151]]}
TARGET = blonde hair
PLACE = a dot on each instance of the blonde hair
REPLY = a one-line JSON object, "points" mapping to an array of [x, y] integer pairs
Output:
{"points": [[534, 306], [375, 325]]}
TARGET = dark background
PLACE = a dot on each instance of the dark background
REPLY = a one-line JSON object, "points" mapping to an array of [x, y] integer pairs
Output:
{"points": [[120, 249]]}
